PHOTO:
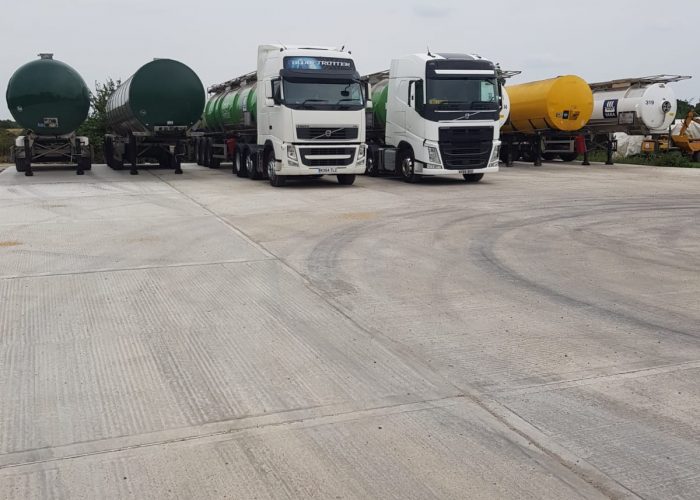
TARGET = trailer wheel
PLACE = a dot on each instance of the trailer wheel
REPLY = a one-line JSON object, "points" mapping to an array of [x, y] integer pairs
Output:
{"points": [[346, 179], [84, 163], [471, 178], [275, 180], [549, 156], [213, 162], [568, 156], [241, 157], [407, 165]]}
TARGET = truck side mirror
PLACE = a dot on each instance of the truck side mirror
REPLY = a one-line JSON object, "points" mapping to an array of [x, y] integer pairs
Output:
{"points": [[367, 89]]}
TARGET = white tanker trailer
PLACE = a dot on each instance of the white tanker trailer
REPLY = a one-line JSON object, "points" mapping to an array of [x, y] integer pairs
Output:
{"points": [[635, 106]]}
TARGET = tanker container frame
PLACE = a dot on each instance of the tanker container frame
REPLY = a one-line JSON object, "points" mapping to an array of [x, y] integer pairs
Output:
{"points": [[435, 115], [150, 115], [635, 106], [50, 100], [546, 119], [301, 113]]}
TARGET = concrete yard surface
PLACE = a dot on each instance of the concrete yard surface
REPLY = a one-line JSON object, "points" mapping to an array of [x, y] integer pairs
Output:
{"points": [[536, 335]]}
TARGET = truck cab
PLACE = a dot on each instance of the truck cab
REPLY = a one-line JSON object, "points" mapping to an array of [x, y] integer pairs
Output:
{"points": [[310, 113], [435, 114]]}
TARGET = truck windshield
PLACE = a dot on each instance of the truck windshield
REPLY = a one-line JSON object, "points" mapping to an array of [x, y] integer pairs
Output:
{"points": [[463, 94], [323, 94]]}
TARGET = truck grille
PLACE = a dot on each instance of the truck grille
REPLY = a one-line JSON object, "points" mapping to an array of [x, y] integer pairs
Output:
{"points": [[327, 133], [327, 157], [465, 147]]}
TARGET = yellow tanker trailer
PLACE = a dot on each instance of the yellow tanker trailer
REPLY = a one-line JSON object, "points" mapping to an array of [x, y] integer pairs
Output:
{"points": [[543, 115]]}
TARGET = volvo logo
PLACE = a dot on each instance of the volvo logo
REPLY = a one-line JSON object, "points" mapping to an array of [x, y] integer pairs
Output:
{"points": [[328, 133]]}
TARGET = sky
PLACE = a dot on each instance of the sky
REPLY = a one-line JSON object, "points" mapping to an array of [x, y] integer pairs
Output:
{"points": [[595, 39]]}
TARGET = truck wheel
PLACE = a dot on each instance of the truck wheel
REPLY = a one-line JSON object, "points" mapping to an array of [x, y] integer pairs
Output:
{"points": [[371, 168], [549, 156], [470, 178], [275, 180], [568, 156], [407, 165], [346, 179], [241, 156], [251, 167]]}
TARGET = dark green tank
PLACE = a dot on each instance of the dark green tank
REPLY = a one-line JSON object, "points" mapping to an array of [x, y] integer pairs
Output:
{"points": [[162, 94], [48, 97]]}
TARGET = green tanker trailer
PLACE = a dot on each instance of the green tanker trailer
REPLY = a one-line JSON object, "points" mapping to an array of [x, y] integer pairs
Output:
{"points": [[229, 115], [150, 114], [50, 100]]}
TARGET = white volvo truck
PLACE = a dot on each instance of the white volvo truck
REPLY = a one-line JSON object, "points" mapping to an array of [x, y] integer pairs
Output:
{"points": [[435, 114], [302, 113]]}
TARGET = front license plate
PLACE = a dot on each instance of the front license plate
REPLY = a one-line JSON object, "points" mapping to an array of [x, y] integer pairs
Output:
{"points": [[470, 171], [327, 170]]}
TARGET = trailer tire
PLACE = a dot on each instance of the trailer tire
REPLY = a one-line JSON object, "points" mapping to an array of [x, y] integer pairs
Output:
{"points": [[568, 156], [85, 163], [20, 165], [549, 156], [407, 165], [346, 179], [241, 155], [270, 164], [472, 178], [213, 162]]}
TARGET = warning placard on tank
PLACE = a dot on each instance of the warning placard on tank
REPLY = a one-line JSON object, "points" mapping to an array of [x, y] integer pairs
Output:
{"points": [[610, 108]]}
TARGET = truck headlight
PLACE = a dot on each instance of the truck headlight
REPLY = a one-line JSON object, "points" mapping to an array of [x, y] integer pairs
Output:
{"points": [[291, 152], [362, 152], [433, 155], [495, 156]]}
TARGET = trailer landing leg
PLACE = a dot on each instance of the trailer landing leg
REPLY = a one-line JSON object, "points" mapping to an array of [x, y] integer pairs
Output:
{"points": [[28, 158]]}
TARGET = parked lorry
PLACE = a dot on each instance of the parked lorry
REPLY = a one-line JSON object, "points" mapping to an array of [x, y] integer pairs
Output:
{"points": [[50, 100], [150, 114], [433, 115], [300, 114], [543, 116]]}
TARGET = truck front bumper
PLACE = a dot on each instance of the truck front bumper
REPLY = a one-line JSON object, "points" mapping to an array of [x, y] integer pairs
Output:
{"points": [[319, 159], [419, 168]]}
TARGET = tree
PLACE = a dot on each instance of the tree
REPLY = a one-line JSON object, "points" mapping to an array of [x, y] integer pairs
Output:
{"points": [[95, 127], [685, 106], [4, 124]]}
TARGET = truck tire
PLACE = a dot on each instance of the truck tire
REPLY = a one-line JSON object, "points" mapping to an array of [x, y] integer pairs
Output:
{"points": [[251, 167], [568, 156], [371, 165], [241, 155], [346, 179], [472, 178], [407, 165], [549, 156], [271, 163]]}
